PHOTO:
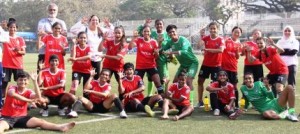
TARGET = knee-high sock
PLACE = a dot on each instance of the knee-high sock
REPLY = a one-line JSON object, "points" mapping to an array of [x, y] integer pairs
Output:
{"points": [[149, 88], [192, 93], [118, 104]]}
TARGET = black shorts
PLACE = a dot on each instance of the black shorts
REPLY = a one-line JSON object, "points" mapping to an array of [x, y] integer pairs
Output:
{"points": [[16, 122], [113, 72], [256, 70], [99, 108], [277, 78], [205, 71], [56, 100], [130, 108], [232, 77], [78, 76], [180, 108], [7, 72], [150, 72]]}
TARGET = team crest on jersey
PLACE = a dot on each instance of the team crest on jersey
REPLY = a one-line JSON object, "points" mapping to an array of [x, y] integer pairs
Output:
{"points": [[48, 79]]}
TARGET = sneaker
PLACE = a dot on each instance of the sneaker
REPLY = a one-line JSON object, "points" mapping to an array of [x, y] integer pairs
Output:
{"points": [[292, 117], [44, 113], [216, 112], [72, 114], [61, 112], [236, 114], [123, 114], [200, 104], [149, 111]]}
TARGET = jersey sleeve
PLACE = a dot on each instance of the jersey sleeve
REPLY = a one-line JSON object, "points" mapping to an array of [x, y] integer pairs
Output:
{"points": [[167, 45], [63, 77], [265, 91], [65, 41], [231, 92], [22, 43]]}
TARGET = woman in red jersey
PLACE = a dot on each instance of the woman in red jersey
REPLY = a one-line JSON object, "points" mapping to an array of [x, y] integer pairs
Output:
{"points": [[13, 52], [147, 52]]}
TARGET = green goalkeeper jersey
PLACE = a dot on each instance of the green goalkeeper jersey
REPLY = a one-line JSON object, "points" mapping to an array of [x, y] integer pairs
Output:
{"points": [[186, 56], [259, 96]]}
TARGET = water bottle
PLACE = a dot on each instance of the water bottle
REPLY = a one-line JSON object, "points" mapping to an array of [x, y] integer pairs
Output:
{"points": [[206, 104], [242, 103]]}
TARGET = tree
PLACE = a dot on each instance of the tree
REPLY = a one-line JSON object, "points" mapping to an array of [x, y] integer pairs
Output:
{"points": [[219, 13], [183, 8], [273, 6]]}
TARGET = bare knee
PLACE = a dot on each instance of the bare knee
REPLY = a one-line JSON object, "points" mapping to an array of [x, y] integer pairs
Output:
{"points": [[271, 115]]}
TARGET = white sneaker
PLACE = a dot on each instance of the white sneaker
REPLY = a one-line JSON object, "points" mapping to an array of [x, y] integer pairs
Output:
{"points": [[61, 112], [292, 117], [72, 114], [216, 112], [44, 113], [123, 114]]}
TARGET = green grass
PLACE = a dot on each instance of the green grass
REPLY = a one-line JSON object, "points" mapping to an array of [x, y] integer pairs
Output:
{"points": [[199, 122]]}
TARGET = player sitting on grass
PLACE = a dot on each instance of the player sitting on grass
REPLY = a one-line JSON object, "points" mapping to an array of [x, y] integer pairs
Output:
{"points": [[222, 96], [100, 96], [262, 98], [131, 88], [14, 112], [53, 81], [178, 96]]}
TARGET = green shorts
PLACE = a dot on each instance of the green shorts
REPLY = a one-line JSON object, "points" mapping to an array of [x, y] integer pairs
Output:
{"points": [[191, 70], [163, 71], [273, 105]]}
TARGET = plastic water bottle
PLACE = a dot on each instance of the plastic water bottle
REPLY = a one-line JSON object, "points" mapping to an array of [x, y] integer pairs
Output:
{"points": [[242, 103], [206, 104]]}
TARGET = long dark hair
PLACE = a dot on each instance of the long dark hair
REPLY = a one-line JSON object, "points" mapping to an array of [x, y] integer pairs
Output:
{"points": [[123, 38], [100, 33], [219, 73]]}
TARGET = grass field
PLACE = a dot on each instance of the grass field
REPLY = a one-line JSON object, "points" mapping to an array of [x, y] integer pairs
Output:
{"points": [[199, 122]]}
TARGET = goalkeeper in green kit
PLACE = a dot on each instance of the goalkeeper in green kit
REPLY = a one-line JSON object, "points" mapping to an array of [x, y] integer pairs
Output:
{"points": [[260, 95], [183, 51]]}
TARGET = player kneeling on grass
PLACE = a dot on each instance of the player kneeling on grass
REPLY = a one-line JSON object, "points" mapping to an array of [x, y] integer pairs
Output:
{"points": [[262, 98], [222, 96], [131, 88], [53, 81], [14, 112], [100, 96], [178, 96]]}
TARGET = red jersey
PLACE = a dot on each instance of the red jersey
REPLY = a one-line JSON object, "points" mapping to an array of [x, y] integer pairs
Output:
{"points": [[11, 59], [55, 45], [177, 93], [13, 107], [99, 88], [50, 79], [212, 59], [82, 66], [145, 58], [273, 61], [229, 60], [131, 85], [254, 51], [224, 95], [114, 50]]}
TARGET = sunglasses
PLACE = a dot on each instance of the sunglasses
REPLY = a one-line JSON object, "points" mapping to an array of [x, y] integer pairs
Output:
{"points": [[52, 9], [287, 30]]}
